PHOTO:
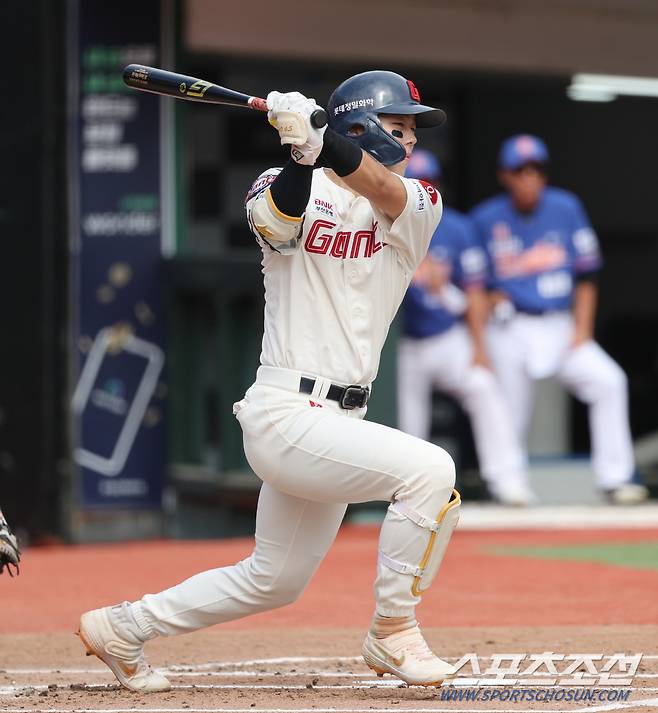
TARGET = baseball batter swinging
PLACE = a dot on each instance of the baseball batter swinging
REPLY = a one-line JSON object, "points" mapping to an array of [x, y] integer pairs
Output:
{"points": [[342, 232]]}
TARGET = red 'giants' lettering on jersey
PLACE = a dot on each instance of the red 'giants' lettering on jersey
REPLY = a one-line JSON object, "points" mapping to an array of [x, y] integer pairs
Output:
{"points": [[431, 191], [413, 91], [341, 244]]}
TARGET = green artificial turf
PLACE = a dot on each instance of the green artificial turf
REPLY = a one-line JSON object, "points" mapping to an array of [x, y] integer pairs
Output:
{"points": [[638, 555]]}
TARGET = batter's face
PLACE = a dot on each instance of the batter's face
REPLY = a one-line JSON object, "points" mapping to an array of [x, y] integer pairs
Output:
{"points": [[525, 185], [403, 128]]}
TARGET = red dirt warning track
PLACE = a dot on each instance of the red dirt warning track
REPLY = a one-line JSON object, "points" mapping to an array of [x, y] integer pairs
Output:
{"points": [[474, 588]]}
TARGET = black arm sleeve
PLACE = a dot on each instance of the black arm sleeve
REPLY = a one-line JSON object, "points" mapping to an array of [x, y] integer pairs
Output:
{"points": [[291, 189], [339, 153]]}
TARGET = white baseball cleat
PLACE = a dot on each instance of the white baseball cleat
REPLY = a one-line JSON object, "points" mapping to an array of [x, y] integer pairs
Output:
{"points": [[628, 494], [406, 655], [513, 493], [118, 648]]}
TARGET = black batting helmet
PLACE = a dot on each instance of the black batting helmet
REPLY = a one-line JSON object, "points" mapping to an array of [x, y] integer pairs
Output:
{"points": [[359, 100]]}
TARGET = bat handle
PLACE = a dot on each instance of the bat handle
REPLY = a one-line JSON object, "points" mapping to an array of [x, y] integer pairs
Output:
{"points": [[318, 117]]}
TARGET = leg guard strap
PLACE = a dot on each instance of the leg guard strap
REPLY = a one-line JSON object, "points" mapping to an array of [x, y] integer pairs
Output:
{"points": [[400, 567], [403, 509], [441, 531]]}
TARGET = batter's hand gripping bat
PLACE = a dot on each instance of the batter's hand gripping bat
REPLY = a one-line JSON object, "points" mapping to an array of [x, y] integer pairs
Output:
{"points": [[161, 81]]}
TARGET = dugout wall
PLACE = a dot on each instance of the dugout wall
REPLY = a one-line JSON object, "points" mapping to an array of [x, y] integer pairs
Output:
{"points": [[33, 270]]}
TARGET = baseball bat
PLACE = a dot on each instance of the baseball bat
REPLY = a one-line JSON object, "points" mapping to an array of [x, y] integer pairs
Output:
{"points": [[162, 81]]}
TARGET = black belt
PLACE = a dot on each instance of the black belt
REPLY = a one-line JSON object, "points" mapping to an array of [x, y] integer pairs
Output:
{"points": [[349, 397]]}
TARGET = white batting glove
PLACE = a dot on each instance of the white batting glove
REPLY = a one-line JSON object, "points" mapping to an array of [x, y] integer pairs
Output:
{"points": [[290, 114]]}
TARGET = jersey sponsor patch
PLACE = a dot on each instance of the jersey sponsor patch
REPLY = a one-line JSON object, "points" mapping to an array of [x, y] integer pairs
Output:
{"points": [[425, 191], [322, 206], [420, 196], [260, 184], [431, 191]]}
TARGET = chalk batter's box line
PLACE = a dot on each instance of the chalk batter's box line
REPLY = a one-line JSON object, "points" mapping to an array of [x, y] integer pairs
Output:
{"points": [[217, 668], [306, 659], [173, 672], [364, 683]]}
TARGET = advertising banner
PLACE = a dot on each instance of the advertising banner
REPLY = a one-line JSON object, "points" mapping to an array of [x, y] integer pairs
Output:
{"points": [[116, 159]]}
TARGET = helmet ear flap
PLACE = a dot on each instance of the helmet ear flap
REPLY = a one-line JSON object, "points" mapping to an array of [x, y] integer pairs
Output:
{"points": [[376, 141]]}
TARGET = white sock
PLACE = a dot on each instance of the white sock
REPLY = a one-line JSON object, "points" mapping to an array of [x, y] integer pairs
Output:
{"points": [[383, 626], [123, 617]]}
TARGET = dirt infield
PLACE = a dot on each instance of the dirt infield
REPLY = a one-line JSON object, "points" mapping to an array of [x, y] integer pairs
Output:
{"points": [[309, 669], [306, 657]]}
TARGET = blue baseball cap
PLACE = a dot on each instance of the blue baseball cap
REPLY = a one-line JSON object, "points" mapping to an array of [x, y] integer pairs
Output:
{"points": [[423, 164], [521, 149]]}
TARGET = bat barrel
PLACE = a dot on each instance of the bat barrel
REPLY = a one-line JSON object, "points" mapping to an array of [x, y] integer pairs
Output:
{"points": [[151, 79], [162, 81]]}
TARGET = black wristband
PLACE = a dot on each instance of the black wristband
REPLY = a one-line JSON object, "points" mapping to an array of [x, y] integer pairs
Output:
{"points": [[339, 153], [291, 189]]}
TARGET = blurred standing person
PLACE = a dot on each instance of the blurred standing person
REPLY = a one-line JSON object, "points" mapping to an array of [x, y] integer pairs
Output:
{"points": [[10, 554], [544, 259], [444, 314]]}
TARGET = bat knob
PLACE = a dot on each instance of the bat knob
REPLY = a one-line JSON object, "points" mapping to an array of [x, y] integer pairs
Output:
{"points": [[319, 118]]}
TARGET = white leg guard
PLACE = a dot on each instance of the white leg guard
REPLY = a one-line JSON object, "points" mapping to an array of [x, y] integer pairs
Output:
{"points": [[440, 531]]}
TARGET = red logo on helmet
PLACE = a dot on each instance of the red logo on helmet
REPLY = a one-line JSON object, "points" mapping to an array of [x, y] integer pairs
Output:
{"points": [[415, 95], [431, 191]]}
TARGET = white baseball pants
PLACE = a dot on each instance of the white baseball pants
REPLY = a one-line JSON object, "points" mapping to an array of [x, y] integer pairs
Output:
{"points": [[534, 347], [445, 361], [313, 459]]}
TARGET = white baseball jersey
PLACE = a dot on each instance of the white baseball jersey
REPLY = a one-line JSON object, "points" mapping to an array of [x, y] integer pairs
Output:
{"points": [[331, 298]]}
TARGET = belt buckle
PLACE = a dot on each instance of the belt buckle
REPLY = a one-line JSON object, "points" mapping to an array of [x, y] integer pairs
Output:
{"points": [[354, 396]]}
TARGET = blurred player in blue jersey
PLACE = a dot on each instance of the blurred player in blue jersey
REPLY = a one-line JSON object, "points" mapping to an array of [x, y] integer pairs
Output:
{"points": [[444, 314], [544, 258]]}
